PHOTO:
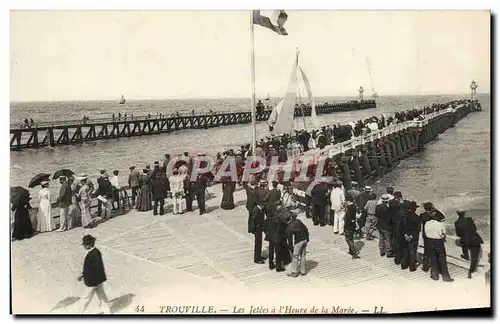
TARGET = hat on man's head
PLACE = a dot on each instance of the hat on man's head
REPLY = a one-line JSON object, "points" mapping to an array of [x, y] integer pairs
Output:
{"points": [[398, 194], [156, 162], [145, 170], [88, 239], [132, 167], [428, 206], [368, 188], [82, 176], [461, 211], [115, 172], [385, 197], [102, 171], [354, 183]]}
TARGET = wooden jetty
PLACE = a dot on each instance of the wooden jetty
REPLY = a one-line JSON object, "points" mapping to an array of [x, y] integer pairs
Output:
{"points": [[173, 251], [75, 132]]}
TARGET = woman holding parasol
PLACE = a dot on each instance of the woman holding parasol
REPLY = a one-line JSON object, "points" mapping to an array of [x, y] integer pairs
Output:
{"points": [[23, 228]]}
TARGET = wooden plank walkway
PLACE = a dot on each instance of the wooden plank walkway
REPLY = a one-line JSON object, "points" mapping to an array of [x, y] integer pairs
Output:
{"points": [[143, 252]]}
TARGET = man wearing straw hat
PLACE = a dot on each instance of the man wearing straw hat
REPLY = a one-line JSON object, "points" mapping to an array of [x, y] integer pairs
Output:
{"points": [[93, 274]]}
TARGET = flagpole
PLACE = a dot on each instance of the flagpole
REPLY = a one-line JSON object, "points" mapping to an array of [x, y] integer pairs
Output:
{"points": [[252, 98]]}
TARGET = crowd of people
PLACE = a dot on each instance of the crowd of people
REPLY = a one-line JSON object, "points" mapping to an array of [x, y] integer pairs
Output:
{"points": [[352, 213]]}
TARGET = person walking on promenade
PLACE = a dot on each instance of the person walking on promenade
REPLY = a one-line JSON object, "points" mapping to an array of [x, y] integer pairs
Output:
{"points": [[177, 188], [298, 237], [470, 238], [143, 202], [257, 222], [436, 235], [410, 225], [84, 198], [64, 200], [318, 202], [93, 274], [165, 163], [160, 193], [45, 222], [383, 214], [252, 196], [105, 190], [371, 218], [350, 226], [337, 201], [22, 223], [133, 183]]}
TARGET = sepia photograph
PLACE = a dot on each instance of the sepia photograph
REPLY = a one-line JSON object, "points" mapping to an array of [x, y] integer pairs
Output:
{"points": [[250, 162]]}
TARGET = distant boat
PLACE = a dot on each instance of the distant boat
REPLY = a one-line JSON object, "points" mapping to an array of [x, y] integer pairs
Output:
{"points": [[122, 100], [268, 97], [375, 94]]}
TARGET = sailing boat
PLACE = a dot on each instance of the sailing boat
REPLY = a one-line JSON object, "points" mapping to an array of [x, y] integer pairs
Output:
{"points": [[122, 100], [281, 119]]}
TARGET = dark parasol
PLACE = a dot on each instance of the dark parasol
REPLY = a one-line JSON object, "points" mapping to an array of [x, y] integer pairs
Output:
{"points": [[38, 179], [17, 194], [63, 172]]}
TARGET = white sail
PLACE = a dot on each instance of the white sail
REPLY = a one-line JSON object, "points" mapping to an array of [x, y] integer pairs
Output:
{"points": [[311, 100], [273, 117], [284, 122]]}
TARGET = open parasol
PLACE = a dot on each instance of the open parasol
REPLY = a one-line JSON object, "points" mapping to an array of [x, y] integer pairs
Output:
{"points": [[17, 194], [38, 179], [63, 172]]}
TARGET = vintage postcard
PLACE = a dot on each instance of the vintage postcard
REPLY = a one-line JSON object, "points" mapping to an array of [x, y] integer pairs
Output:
{"points": [[265, 162]]}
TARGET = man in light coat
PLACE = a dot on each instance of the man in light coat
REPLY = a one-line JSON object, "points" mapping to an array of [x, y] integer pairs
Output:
{"points": [[337, 206], [65, 197]]}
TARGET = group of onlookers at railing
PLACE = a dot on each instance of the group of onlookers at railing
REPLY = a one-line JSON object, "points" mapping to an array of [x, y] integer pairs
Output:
{"points": [[396, 222]]}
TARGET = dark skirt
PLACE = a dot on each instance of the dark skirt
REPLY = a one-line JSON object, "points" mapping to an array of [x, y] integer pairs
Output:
{"points": [[227, 197], [22, 224], [144, 199]]}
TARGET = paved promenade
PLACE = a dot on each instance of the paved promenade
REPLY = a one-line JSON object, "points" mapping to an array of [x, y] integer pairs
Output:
{"points": [[207, 260]]}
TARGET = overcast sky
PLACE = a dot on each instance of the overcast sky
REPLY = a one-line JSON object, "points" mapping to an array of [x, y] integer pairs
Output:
{"points": [[97, 55]]}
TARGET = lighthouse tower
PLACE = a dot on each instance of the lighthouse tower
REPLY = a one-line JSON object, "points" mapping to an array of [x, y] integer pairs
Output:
{"points": [[361, 90], [473, 87]]}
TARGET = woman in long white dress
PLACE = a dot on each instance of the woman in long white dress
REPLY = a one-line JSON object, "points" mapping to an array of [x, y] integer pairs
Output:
{"points": [[85, 200], [45, 222]]}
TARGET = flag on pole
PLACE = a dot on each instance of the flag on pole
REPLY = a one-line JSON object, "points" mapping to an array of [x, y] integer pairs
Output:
{"points": [[274, 21]]}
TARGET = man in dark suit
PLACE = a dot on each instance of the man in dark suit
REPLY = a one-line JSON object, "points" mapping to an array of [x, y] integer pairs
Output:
{"points": [[93, 274], [318, 202], [159, 192], [273, 198], [64, 200], [276, 236], [105, 189], [200, 190], [383, 215], [397, 232], [460, 229], [133, 183], [410, 226], [470, 239], [350, 226], [255, 219]]}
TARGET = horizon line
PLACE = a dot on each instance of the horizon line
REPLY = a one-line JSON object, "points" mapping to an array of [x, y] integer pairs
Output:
{"points": [[219, 98]]}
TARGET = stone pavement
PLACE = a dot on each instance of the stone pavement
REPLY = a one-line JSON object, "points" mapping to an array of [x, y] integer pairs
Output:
{"points": [[152, 259]]}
